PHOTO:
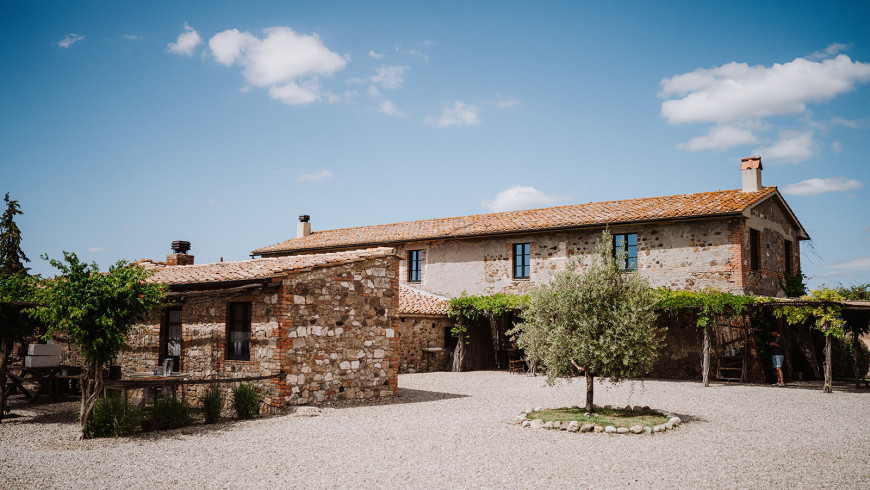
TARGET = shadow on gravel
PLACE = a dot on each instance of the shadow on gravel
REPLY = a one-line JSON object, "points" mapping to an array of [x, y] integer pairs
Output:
{"points": [[406, 395]]}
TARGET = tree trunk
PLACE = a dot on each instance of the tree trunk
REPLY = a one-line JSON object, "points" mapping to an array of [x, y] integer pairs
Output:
{"points": [[705, 358], [856, 354], [589, 390], [92, 388], [459, 353], [828, 371], [4, 357]]}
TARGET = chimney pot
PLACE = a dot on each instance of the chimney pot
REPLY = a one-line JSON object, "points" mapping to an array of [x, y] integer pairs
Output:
{"points": [[179, 255], [751, 168], [303, 227]]}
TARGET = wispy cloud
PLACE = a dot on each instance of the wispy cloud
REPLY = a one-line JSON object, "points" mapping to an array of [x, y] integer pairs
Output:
{"points": [[96, 249], [720, 138], [286, 62], [506, 102], [131, 37], [812, 187], [832, 50], [791, 147], [387, 107], [520, 197], [374, 55], [856, 264], [69, 40], [458, 114], [186, 43], [390, 77], [314, 176]]}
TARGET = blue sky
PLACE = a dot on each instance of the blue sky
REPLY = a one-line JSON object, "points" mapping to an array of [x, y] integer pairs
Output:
{"points": [[127, 125]]}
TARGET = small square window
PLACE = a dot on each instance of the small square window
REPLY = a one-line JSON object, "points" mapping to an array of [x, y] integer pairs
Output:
{"points": [[239, 332], [415, 266], [521, 261], [627, 243]]}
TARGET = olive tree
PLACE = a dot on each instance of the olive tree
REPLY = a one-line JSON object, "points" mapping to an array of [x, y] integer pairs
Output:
{"points": [[97, 311], [597, 317]]}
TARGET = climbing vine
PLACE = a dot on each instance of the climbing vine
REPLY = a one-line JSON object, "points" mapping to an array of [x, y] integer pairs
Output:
{"points": [[476, 308], [707, 304]]}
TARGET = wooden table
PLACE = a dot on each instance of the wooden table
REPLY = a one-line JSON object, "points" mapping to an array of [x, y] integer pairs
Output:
{"points": [[173, 381], [43, 377]]}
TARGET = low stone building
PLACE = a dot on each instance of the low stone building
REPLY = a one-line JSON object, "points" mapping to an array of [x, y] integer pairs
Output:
{"points": [[323, 325], [424, 338]]}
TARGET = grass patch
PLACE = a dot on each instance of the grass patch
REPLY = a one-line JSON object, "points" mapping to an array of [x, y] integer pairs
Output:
{"points": [[602, 416]]}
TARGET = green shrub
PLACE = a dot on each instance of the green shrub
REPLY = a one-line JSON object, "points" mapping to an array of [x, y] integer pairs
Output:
{"points": [[247, 400], [168, 413], [212, 404], [111, 417]]}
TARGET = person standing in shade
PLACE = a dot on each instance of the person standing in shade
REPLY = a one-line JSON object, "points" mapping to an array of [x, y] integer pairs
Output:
{"points": [[777, 348]]}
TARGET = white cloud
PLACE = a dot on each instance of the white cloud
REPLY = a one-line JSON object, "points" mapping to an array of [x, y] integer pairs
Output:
{"points": [[69, 40], [97, 249], [792, 147], [286, 62], [812, 187], [376, 56], [373, 91], [737, 91], [131, 37], [856, 264], [520, 197], [387, 107], [186, 43], [391, 77], [720, 138], [837, 146], [832, 50], [314, 176], [459, 114]]}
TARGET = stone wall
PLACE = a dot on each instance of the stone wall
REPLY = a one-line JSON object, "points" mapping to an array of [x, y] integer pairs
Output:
{"points": [[416, 332], [775, 227], [679, 255], [330, 331]]}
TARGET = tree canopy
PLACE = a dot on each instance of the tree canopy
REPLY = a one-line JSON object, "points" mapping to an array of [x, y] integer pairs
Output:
{"points": [[97, 311], [597, 317], [12, 258]]}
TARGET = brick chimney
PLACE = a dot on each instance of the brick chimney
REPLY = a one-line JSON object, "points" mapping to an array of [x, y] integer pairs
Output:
{"points": [[750, 167], [303, 228], [179, 255]]}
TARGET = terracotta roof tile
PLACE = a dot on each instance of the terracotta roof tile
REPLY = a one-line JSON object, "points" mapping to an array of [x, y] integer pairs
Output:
{"points": [[254, 269], [416, 302], [610, 212]]}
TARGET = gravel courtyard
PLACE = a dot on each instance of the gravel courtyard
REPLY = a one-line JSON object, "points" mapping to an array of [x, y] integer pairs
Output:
{"points": [[454, 430]]}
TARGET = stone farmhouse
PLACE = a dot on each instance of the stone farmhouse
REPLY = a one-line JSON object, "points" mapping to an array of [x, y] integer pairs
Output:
{"points": [[325, 323], [743, 241]]}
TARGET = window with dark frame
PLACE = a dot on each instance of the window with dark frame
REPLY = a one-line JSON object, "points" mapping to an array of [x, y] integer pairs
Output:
{"points": [[415, 266], [788, 256], [521, 261], [170, 337], [627, 243], [239, 332], [754, 250]]}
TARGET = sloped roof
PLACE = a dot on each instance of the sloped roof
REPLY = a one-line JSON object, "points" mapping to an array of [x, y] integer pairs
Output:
{"points": [[414, 301], [254, 269], [599, 213]]}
